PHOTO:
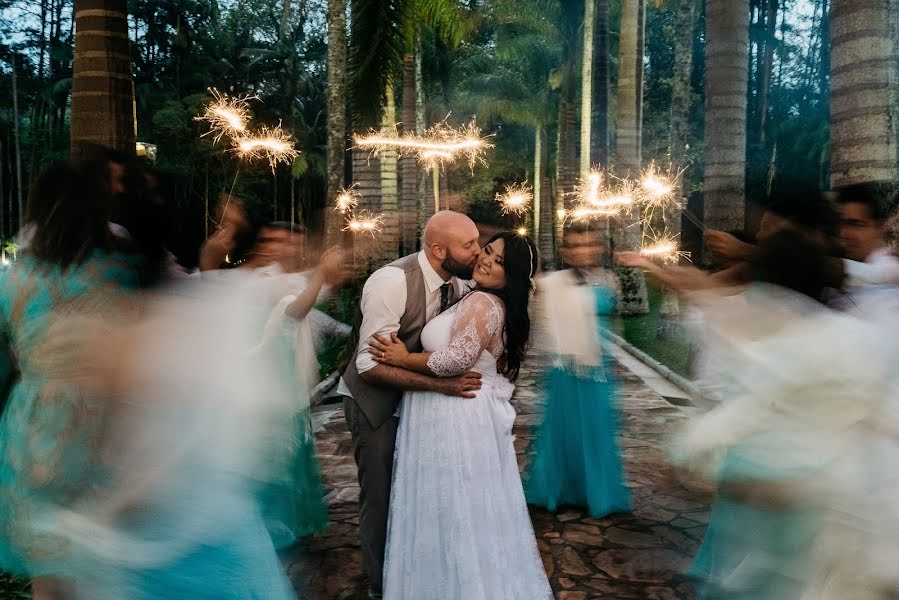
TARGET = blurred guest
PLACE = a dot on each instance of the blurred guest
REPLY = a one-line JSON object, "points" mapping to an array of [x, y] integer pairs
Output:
{"points": [[50, 431], [577, 460], [863, 234], [789, 451]]}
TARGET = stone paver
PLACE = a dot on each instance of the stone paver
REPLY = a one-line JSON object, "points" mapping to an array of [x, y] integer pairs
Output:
{"points": [[636, 556]]}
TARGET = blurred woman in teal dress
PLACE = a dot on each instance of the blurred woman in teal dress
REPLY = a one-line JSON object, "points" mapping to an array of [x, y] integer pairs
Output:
{"points": [[140, 429], [577, 460], [50, 432]]}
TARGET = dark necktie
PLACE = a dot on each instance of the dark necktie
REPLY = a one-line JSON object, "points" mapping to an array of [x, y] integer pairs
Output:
{"points": [[444, 297]]}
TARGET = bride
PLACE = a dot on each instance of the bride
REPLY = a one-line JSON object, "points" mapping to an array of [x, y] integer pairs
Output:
{"points": [[459, 526]]}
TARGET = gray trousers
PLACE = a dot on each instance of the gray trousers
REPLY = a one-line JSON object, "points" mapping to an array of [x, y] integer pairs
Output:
{"points": [[373, 451]]}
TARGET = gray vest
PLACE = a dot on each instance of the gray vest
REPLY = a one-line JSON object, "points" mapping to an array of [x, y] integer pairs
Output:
{"points": [[378, 404]]}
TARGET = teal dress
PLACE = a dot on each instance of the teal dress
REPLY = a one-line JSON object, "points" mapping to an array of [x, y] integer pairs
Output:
{"points": [[48, 434], [577, 461]]}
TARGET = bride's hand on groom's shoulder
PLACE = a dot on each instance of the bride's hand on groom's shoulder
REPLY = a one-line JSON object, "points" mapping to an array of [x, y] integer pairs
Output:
{"points": [[388, 351]]}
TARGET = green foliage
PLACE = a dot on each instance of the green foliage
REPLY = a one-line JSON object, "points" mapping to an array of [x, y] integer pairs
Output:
{"points": [[14, 588], [673, 351]]}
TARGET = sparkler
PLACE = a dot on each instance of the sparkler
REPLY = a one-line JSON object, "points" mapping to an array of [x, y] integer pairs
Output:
{"points": [[347, 199], [657, 190], [271, 143], [226, 115], [439, 144], [365, 222], [664, 249], [515, 199]]}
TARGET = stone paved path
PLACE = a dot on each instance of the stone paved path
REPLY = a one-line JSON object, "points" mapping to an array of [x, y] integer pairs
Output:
{"points": [[636, 556]]}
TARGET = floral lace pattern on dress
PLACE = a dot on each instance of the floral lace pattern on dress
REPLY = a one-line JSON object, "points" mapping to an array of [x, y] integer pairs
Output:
{"points": [[477, 326]]}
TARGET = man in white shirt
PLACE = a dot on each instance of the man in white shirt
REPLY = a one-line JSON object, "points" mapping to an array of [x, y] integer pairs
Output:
{"points": [[863, 233], [400, 298]]}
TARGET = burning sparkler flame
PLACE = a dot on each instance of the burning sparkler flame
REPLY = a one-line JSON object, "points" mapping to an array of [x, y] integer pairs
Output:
{"points": [[440, 143], [347, 199], [664, 249], [365, 222], [226, 115], [515, 199], [272, 144]]}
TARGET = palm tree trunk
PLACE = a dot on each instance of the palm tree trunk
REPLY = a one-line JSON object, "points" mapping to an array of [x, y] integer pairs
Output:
{"points": [[681, 90], [424, 209], [102, 85], [390, 234], [630, 88], [15, 113], [599, 133], [538, 180], [337, 137], [409, 164], [767, 68], [566, 155], [862, 133], [634, 298], [727, 55], [587, 89]]}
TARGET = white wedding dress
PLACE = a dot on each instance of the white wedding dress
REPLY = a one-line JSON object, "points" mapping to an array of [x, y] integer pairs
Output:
{"points": [[459, 527]]}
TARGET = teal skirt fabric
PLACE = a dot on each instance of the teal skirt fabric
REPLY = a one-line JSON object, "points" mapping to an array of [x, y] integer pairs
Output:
{"points": [[294, 507], [577, 460]]}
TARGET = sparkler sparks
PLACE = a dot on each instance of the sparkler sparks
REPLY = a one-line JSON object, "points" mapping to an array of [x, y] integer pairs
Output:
{"points": [[657, 189], [271, 143], [516, 199], [439, 143], [664, 249], [226, 115], [348, 199], [365, 222]]}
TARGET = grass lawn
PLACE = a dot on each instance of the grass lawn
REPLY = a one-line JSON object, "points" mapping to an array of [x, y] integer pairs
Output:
{"points": [[673, 350]]}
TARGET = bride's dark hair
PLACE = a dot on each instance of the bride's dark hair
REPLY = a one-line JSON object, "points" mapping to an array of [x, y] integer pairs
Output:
{"points": [[520, 265]]}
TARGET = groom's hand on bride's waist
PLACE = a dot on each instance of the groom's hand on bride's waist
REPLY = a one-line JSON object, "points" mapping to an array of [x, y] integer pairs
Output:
{"points": [[464, 385]]}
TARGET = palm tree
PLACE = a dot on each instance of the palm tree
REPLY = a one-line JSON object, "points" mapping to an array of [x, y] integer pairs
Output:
{"points": [[634, 297], [727, 71], [587, 89], [599, 132], [337, 134], [102, 86], [862, 117]]}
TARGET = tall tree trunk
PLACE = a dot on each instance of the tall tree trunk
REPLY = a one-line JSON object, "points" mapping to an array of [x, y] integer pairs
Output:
{"points": [[630, 88], [599, 133], [727, 47], [681, 96], [420, 124], [15, 116], [587, 89], [337, 134], [390, 234], [681, 90], [285, 19], [566, 153], [409, 163], [634, 297], [538, 184], [767, 68], [102, 86], [862, 132]]}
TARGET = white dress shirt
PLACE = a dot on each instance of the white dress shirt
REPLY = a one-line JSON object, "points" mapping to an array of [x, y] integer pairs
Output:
{"points": [[384, 303], [880, 268]]}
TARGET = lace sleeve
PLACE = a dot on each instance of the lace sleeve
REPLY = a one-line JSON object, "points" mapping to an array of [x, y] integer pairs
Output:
{"points": [[478, 321]]}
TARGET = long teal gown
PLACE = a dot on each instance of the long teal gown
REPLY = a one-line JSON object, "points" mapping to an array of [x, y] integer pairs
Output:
{"points": [[48, 435], [196, 531], [577, 460]]}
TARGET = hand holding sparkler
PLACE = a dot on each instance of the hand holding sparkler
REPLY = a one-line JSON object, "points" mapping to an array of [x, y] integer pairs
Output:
{"points": [[728, 247]]}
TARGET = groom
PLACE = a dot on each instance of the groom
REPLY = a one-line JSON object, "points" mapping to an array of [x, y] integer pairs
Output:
{"points": [[400, 298]]}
